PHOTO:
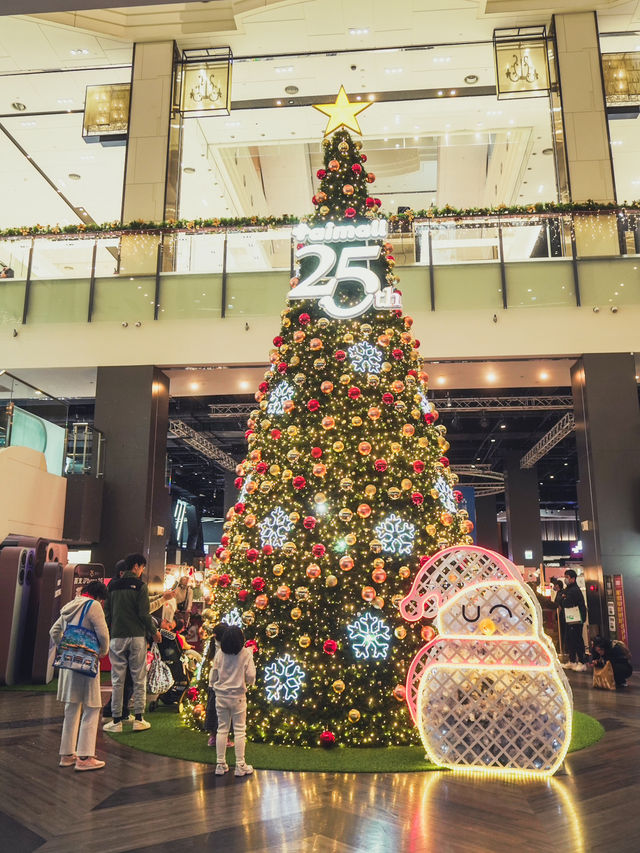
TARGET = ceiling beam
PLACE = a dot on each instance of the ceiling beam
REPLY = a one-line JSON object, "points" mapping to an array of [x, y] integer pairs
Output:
{"points": [[178, 429], [556, 434]]}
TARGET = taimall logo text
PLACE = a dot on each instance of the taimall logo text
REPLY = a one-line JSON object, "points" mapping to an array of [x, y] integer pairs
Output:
{"points": [[334, 232]]}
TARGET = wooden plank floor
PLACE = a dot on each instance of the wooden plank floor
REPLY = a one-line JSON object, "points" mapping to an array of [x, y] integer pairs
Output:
{"points": [[143, 803]]}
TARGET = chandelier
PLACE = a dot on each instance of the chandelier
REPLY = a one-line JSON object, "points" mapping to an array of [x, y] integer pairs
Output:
{"points": [[521, 69]]}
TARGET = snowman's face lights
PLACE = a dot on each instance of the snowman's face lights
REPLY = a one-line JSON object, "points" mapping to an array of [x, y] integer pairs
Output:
{"points": [[499, 608]]}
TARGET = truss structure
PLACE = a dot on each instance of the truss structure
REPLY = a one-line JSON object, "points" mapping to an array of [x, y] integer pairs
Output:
{"points": [[444, 404], [484, 481], [178, 429], [562, 429]]}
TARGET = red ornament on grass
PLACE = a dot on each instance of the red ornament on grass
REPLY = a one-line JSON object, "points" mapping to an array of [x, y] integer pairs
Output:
{"points": [[327, 739]]}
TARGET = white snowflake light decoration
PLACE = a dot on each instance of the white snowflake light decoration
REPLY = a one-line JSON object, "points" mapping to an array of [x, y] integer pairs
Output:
{"points": [[365, 358], [369, 637], [425, 404], [446, 495], [280, 394], [396, 535], [274, 528], [233, 618], [283, 679]]}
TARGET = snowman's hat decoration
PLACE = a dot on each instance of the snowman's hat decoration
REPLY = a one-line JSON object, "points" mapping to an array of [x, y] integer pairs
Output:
{"points": [[442, 576]]}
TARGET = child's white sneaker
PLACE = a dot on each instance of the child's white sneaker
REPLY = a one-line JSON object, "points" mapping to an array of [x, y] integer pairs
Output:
{"points": [[243, 769], [221, 769]]}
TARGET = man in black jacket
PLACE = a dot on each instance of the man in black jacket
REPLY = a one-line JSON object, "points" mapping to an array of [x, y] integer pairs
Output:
{"points": [[131, 627], [575, 615]]}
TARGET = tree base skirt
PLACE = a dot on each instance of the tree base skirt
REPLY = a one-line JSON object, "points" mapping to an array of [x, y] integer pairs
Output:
{"points": [[168, 736]]}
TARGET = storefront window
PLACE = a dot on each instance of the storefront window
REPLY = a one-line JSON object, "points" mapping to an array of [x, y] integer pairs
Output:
{"points": [[436, 135]]}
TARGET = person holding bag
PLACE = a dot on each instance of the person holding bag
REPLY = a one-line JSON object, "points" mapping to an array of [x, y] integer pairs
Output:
{"points": [[575, 615], [79, 680]]}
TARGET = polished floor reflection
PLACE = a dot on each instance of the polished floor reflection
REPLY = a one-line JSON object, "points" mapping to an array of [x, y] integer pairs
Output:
{"points": [[144, 803]]}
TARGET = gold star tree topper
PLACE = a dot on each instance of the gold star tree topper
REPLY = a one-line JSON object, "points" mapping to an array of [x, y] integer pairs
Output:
{"points": [[342, 113]]}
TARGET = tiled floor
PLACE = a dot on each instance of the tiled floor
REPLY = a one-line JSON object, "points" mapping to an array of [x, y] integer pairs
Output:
{"points": [[143, 803]]}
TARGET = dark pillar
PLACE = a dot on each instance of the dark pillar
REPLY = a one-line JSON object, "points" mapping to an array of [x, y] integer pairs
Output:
{"points": [[132, 411], [605, 399], [230, 491], [523, 512], [487, 527]]}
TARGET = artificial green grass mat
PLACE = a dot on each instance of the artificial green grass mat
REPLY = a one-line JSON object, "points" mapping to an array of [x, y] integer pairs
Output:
{"points": [[168, 736], [52, 686]]}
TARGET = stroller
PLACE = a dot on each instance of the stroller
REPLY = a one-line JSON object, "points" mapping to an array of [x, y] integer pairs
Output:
{"points": [[182, 664]]}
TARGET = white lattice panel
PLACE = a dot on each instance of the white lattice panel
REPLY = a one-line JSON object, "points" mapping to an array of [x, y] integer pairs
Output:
{"points": [[500, 608]]}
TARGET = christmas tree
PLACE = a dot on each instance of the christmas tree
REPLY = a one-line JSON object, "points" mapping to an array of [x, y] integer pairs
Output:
{"points": [[346, 489]]}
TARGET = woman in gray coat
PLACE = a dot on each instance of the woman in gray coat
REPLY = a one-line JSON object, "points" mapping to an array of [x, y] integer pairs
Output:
{"points": [[81, 693]]}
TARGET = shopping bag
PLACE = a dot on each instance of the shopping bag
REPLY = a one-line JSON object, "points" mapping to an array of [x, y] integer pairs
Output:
{"points": [[79, 648], [159, 678]]}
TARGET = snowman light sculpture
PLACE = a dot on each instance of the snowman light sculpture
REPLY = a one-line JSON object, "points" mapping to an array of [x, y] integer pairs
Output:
{"points": [[487, 692]]}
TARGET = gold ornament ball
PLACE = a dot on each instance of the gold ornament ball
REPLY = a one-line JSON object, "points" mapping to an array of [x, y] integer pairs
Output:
{"points": [[364, 510], [326, 387], [374, 413], [338, 686], [250, 520], [446, 518], [296, 613], [347, 338], [261, 601], [345, 514], [305, 641], [378, 576], [356, 421], [343, 147], [378, 602], [404, 572], [323, 211], [248, 617], [328, 422], [354, 715], [370, 490], [364, 448], [313, 570], [487, 627], [431, 529], [302, 593], [376, 546], [294, 517], [400, 632], [283, 592], [320, 497], [345, 378], [350, 538], [396, 447], [274, 471], [406, 484], [346, 484], [378, 563], [315, 344], [394, 493], [348, 189], [320, 363], [366, 329], [346, 563], [293, 455], [372, 380], [368, 593], [292, 431], [323, 323], [289, 548], [319, 469], [338, 446], [408, 430], [272, 630], [331, 581], [278, 569]]}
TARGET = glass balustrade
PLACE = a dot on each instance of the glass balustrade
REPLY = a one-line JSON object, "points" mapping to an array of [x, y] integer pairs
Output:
{"points": [[445, 264]]}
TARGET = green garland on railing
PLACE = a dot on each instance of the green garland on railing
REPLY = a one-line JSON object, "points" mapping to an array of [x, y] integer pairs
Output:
{"points": [[241, 223]]}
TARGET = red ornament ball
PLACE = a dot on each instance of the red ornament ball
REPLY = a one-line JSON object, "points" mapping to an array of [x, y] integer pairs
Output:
{"points": [[313, 405], [340, 355], [320, 174], [263, 387], [370, 178], [267, 550], [369, 201], [248, 432], [418, 466], [243, 594], [429, 418], [282, 367], [275, 434], [417, 498], [444, 461], [424, 560], [356, 168], [224, 580], [316, 452], [251, 644], [458, 496], [258, 584], [278, 341], [327, 739], [224, 540], [238, 482], [299, 483], [304, 319], [397, 354], [192, 694], [387, 399], [330, 647], [354, 392], [309, 522], [363, 157], [380, 464], [350, 213], [252, 554], [318, 550], [239, 507], [262, 467]]}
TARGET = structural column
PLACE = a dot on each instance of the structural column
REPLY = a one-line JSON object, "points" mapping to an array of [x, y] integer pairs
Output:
{"points": [[487, 527], [523, 513], [586, 130], [150, 179], [605, 399], [132, 411]]}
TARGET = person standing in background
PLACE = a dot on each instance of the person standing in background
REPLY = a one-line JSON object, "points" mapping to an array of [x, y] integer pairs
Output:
{"points": [[131, 627], [574, 611]]}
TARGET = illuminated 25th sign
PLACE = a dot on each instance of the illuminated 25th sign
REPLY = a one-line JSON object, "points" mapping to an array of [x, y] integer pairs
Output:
{"points": [[350, 264]]}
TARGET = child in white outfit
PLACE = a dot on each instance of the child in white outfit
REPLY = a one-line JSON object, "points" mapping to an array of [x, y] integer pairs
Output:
{"points": [[232, 671]]}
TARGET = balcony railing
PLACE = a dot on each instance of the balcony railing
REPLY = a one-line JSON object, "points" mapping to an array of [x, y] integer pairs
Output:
{"points": [[445, 263]]}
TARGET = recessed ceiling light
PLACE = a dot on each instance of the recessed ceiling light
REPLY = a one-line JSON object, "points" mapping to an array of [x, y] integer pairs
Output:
{"points": [[471, 79], [284, 69], [393, 70], [79, 51], [544, 375], [194, 386], [491, 376], [244, 384], [503, 426], [493, 441], [74, 176], [292, 90], [358, 31], [19, 106], [547, 151], [441, 380], [453, 92], [189, 170]]}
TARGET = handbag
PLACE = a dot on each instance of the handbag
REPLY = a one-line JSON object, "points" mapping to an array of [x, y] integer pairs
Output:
{"points": [[79, 648], [159, 678], [603, 677], [572, 615]]}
